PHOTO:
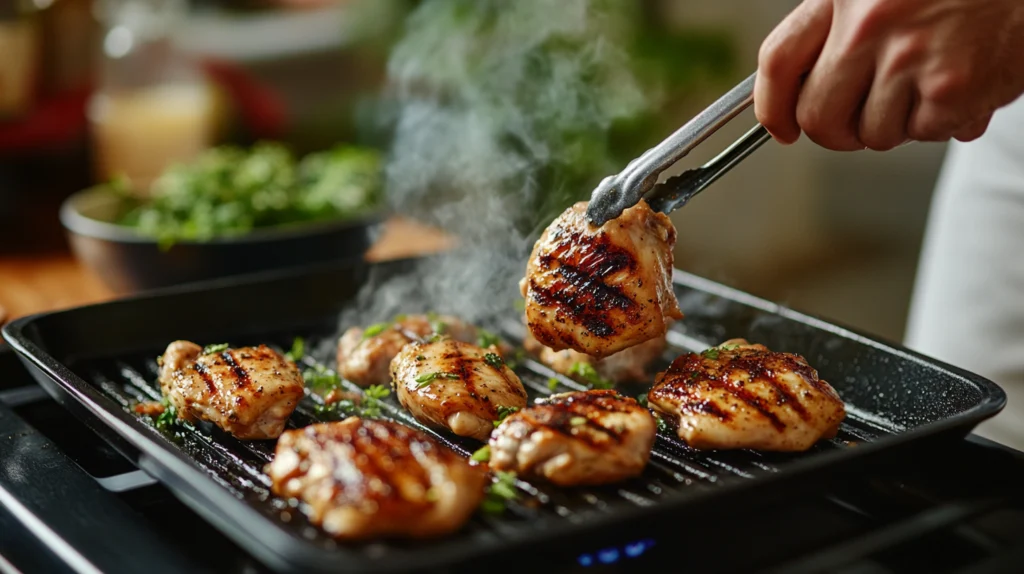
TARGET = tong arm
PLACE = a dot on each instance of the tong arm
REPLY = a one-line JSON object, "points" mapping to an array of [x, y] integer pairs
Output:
{"points": [[675, 191], [618, 192]]}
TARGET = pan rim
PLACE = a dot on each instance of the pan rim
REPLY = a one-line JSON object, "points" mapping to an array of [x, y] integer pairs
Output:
{"points": [[262, 536]]}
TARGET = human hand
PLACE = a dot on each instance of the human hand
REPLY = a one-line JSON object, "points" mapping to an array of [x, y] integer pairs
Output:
{"points": [[855, 74]]}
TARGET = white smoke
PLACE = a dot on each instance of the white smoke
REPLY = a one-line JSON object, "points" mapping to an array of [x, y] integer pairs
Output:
{"points": [[493, 98]]}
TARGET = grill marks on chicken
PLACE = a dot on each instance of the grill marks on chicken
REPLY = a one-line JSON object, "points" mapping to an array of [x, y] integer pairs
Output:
{"points": [[578, 438], [365, 360], [740, 395], [580, 289], [455, 385], [249, 392], [601, 290], [365, 479]]}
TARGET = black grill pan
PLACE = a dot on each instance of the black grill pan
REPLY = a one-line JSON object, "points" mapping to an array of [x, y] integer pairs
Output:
{"points": [[97, 360]]}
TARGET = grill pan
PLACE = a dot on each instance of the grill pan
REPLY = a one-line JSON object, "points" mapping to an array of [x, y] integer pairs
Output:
{"points": [[96, 360]]}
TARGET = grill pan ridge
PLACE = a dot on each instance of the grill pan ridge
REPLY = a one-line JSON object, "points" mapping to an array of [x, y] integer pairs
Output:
{"points": [[98, 360]]}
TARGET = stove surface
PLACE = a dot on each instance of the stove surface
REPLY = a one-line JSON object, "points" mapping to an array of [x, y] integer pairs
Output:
{"points": [[70, 503]]}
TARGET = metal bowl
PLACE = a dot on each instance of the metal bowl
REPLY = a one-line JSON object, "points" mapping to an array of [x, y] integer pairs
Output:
{"points": [[128, 262]]}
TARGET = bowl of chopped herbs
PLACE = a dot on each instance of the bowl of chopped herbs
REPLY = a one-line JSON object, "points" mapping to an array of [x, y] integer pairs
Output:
{"points": [[230, 211]]}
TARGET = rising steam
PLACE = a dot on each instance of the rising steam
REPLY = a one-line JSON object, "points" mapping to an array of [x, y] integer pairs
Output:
{"points": [[503, 114]]}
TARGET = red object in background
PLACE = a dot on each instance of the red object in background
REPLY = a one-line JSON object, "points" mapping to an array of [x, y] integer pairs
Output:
{"points": [[52, 123], [260, 109], [60, 120]]}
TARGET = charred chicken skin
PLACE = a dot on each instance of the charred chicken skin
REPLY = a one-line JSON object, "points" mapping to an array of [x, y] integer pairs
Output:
{"points": [[364, 355], [249, 392], [366, 479], [578, 438], [456, 385], [627, 366], [599, 290], [739, 395]]}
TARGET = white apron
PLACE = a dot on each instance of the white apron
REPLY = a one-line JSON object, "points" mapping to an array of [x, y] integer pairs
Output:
{"points": [[968, 302]]}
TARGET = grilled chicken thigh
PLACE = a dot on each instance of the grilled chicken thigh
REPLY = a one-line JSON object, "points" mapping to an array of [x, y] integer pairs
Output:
{"points": [[739, 395], [626, 366], [249, 392], [366, 478], [365, 357], [591, 437], [456, 385], [601, 290]]}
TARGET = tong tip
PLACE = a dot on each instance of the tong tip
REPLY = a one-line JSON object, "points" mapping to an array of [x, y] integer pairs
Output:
{"points": [[606, 202]]}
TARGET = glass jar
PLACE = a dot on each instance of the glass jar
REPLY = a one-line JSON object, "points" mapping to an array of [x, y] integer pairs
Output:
{"points": [[152, 105], [19, 55]]}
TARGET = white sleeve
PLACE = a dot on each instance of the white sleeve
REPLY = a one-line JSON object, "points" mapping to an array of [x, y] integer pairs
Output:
{"points": [[968, 302]]}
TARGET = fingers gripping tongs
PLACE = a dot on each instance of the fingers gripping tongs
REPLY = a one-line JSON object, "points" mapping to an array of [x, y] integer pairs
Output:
{"points": [[639, 180]]}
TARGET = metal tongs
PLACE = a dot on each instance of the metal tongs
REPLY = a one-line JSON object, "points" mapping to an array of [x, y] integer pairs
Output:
{"points": [[639, 180]]}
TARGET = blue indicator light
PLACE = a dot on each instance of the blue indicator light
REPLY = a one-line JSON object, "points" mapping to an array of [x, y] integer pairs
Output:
{"points": [[608, 555], [635, 549], [612, 555]]}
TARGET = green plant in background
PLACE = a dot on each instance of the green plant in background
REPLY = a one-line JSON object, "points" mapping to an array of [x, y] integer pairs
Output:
{"points": [[535, 100], [230, 191]]}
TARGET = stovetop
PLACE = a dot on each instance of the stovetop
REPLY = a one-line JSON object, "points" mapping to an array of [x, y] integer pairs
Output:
{"points": [[70, 503]]}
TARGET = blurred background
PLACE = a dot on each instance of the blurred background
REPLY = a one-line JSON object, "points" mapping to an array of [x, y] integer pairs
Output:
{"points": [[343, 110]]}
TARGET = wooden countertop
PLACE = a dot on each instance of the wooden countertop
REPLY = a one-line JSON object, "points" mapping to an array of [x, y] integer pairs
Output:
{"points": [[36, 283]]}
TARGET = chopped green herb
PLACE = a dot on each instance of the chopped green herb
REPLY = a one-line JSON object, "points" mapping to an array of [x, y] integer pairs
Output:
{"points": [[321, 377], [503, 413], [492, 505], [505, 486], [425, 379], [502, 490], [483, 454], [506, 411], [711, 353], [374, 330], [420, 358], [487, 339], [728, 347], [371, 400], [218, 348], [662, 425], [590, 375], [168, 418], [377, 392], [494, 360], [577, 421], [345, 407], [642, 399], [552, 383], [438, 326], [297, 351], [400, 317]]}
